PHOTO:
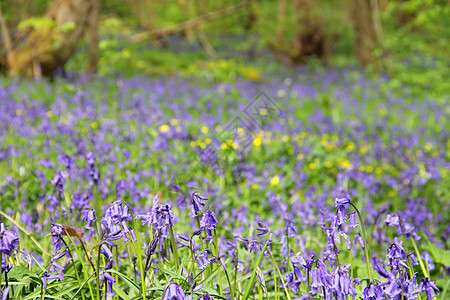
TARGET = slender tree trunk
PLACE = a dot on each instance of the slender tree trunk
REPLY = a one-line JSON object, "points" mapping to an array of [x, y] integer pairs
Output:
{"points": [[368, 31], [93, 37], [281, 22]]}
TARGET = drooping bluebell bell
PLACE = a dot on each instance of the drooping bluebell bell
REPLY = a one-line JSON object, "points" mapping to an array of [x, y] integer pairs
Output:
{"points": [[342, 283], [59, 180], [197, 203], [173, 291], [373, 291], [429, 287], [205, 297], [56, 232], [67, 160], [93, 172], [117, 215], [193, 284], [353, 222], [203, 258], [49, 276], [209, 223], [262, 229], [88, 216], [9, 241], [4, 294], [110, 281]]}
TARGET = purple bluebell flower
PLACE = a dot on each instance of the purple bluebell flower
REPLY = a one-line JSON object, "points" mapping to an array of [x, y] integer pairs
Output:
{"points": [[197, 203], [429, 287], [193, 284], [209, 223], [262, 229], [9, 241], [341, 201], [49, 276], [106, 252], [93, 172], [59, 180], [5, 293], [67, 160], [202, 258], [353, 222], [89, 217], [110, 281], [117, 215], [205, 297], [173, 291], [342, 283], [56, 231], [373, 291]]}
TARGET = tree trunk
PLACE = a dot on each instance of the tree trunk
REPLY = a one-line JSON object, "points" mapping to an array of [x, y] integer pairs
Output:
{"points": [[45, 49], [310, 38], [93, 37], [366, 22], [281, 22]]}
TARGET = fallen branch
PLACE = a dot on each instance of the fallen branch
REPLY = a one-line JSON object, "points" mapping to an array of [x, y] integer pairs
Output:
{"points": [[192, 23]]}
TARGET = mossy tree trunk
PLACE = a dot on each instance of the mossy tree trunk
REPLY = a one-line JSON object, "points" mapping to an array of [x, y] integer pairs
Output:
{"points": [[42, 49]]}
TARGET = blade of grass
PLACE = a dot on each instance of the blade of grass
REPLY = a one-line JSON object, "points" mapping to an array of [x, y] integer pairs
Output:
{"points": [[251, 283]]}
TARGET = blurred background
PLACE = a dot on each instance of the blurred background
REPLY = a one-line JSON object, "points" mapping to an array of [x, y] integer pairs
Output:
{"points": [[408, 41]]}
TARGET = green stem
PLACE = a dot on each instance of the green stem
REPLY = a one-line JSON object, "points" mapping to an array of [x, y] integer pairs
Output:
{"points": [[422, 266], [98, 271], [139, 256], [73, 262], [416, 250], [281, 277], [366, 245], [174, 247]]}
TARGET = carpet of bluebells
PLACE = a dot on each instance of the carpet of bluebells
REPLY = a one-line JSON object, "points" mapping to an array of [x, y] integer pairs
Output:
{"points": [[312, 185]]}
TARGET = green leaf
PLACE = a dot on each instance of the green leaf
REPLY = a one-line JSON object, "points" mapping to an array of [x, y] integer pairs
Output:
{"points": [[251, 283], [127, 280], [440, 256], [120, 293]]}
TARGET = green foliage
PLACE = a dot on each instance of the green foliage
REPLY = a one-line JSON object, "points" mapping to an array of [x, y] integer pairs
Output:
{"points": [[36, 23]]}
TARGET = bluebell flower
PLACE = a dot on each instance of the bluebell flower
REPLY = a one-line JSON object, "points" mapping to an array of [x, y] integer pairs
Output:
{"points": [[9, 241], [205, 297], [202, 258], [4, 294], [373, 291], [209, 223], [341, 201], [173, 291], [59, 180], [429, 287], [56, 232], [353, 222], [89, 217], [109, 281], [342, 283], [49, 276], [118, 215], [197, 203]]}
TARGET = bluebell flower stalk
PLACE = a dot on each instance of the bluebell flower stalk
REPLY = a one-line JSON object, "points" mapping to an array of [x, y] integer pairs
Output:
{"points": [[342, 201]]}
